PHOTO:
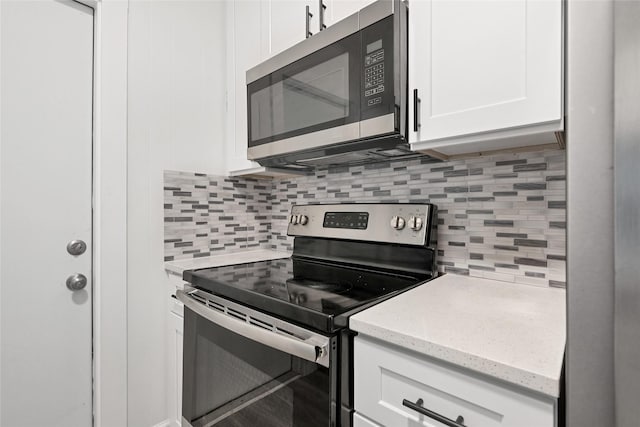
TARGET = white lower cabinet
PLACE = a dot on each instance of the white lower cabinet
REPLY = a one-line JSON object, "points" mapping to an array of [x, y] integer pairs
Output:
{"points": [[386, 375], [175, 332]]}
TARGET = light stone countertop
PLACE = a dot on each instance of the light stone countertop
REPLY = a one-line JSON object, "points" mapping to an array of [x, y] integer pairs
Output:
{"points": [[508, 331], [179, 266]]}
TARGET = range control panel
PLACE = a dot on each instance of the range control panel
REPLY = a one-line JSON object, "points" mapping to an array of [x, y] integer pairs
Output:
{"points": [[352, 220], [401, 223]]}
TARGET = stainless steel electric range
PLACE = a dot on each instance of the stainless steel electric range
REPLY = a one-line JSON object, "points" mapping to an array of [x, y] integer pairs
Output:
{"points": [[268, 343]]}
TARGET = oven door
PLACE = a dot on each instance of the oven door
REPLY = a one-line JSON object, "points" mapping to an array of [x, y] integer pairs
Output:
{"points": [[244, 368]]}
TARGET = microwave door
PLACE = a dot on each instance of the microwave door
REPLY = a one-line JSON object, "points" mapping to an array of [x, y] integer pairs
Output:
{"points": [[316, 95]]}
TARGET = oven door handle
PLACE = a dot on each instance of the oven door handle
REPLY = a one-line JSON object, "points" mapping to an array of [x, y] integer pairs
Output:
{"points": [[314, 349]]}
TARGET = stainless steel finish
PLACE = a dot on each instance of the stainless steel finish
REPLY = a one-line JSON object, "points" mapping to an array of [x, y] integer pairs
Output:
{"points": [[400, 64], [349, 25], [294, 219], [322, 7], [415, 223], [377, 125], [378, 229], [76, 282], [308, 16], [376, 11], [280, 335], [397, 222], [321, 138], [326, 137], [76, 247], [627, 213], [304, 219], [590, 392]]}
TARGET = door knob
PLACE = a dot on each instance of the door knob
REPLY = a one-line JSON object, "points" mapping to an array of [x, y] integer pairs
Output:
{"points": [[76, 282], [76, 247]]}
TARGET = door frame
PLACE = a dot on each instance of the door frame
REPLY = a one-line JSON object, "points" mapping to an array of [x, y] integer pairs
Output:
{"points": [[109, 212]]}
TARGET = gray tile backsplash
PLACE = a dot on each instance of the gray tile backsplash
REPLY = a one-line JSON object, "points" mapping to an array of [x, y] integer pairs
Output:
{"points": [[500, 217]]}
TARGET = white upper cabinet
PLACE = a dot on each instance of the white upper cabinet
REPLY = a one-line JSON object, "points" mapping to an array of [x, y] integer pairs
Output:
{"points": [[488, 74], [244, 50], [340, 9], [285, 22]]}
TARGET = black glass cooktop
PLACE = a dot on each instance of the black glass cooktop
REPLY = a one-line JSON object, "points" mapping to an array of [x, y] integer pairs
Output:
{"points": [[315, 294]]}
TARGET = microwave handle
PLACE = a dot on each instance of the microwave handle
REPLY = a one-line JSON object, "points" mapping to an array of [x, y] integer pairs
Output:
{"points": [[295, 347]]}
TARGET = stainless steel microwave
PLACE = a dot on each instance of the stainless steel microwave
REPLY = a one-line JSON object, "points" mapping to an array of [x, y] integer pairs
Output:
{"points": [[337, 97]]}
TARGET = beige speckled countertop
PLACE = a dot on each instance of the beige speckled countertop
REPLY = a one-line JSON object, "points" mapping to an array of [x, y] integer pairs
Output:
{"points": [[179, 266], [512, 332]]}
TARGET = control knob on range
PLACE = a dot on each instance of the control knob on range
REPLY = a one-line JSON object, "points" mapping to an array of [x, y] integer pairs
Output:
{"points": [[397, 222], [293, 219], [415, 223], [303, 219]]}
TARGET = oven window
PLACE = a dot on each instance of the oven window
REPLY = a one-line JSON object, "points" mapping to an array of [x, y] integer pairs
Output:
{"points": [[229, 380], [316, 92]]}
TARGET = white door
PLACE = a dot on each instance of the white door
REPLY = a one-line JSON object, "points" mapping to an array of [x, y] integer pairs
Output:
{"points": [[45, 190]]}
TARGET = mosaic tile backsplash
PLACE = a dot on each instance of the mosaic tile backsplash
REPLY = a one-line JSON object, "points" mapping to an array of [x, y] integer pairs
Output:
{"points": [[500, 217]]}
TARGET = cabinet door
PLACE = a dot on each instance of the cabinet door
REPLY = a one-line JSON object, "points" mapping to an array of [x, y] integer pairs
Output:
{"points": [[286, 23], [243, 52], [483, 66], [340, 9]]}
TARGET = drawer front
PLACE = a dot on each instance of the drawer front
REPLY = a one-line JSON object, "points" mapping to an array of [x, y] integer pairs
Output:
{"points": [[385, 375], [360, 421]]}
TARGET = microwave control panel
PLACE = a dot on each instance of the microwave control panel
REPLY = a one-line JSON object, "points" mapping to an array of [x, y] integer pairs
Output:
{"points": [[374, 73], [377, 69]]}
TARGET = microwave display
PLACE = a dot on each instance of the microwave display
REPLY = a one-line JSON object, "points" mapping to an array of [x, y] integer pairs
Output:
{"points": [[376, 45]]}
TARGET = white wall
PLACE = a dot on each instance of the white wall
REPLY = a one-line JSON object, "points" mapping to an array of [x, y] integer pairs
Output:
{"points": [[176, 121]]}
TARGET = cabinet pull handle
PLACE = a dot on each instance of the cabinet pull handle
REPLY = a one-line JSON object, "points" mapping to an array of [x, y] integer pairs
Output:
{"points": [[416, 104], [308, 17], [459, 422], [322, 8]]}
